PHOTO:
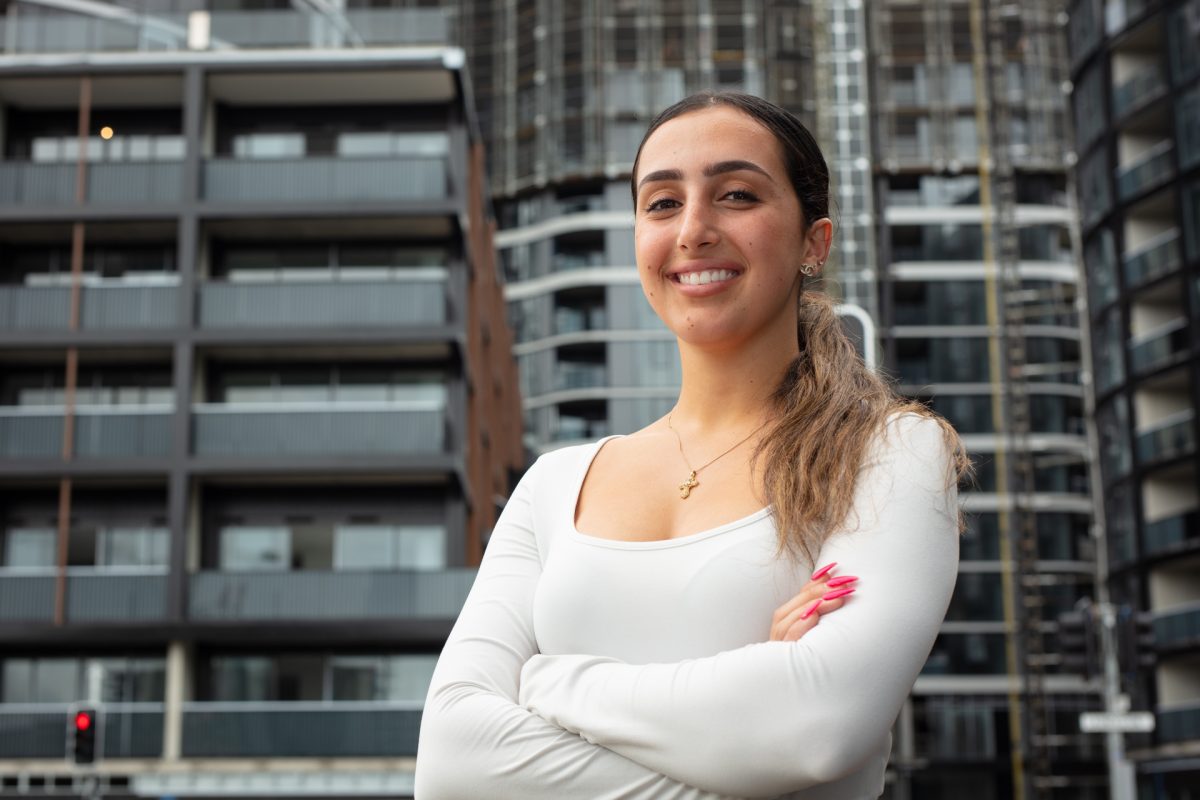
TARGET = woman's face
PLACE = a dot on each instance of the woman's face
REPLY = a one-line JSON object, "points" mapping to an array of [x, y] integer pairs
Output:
{"points": [[719, 232]]}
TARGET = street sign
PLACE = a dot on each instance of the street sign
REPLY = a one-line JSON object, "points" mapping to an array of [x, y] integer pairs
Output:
{"points": [[1108, 722]]}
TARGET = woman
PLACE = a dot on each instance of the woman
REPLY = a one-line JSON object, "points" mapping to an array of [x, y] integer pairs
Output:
{"points": [[647, 622]]}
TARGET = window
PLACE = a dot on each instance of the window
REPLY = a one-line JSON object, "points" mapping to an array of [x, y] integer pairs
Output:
{"points": [[382, 678], [1100, 262], [389, 547], [1095, 188], [251, 548], [29, 547], [1088, 100], [1112, 426], [1184, 32], [132, 547], [1188, 115], [392, 143], [269, 145]]}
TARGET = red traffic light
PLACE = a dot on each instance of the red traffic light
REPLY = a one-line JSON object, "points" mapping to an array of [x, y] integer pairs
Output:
{"points": [[83, 720]]}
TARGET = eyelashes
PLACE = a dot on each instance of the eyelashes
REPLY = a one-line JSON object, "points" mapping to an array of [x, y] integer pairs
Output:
{"points": [[736, 195]]}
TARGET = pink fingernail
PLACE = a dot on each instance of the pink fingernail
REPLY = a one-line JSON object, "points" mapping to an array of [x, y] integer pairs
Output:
{"points": [[821, 572], [837, 594], [841, 580], [809, 611]]}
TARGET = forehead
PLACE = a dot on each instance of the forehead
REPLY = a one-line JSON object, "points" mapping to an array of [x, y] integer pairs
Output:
{"points": [[710, 135]]}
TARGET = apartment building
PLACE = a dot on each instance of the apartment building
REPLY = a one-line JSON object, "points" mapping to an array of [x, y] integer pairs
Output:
{"points": [[257, 396], [1135, 67]]}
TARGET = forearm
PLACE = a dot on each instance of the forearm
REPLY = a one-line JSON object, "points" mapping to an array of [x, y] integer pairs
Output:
{"points": [[788, 714]]}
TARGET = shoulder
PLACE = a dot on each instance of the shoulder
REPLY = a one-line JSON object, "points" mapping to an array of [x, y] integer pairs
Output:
{"points": [[918, 442], [563, 464]]}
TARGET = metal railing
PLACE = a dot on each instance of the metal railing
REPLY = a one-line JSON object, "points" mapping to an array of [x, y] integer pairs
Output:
{"points": [[310, 180], [38, 730], [1143, 86], [1154, 166], [94, 594], [100, 431], [1173, 533], [404, 301], [1158, 257], [1179, 724], [108, 183], [105, 306], [1169, 438], [1177, 627], [318, 429], [300, 729], [341, 595], [1159, 347]]}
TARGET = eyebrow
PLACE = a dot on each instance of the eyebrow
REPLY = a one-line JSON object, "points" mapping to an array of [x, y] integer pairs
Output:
{"points": [[712, 170]]}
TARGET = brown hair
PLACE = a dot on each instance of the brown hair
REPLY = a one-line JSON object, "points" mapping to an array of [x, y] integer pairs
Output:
{"points": [[810, 480]]}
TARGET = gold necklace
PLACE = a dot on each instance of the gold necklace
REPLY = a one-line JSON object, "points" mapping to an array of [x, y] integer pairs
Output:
{"points": [[685, 488]]}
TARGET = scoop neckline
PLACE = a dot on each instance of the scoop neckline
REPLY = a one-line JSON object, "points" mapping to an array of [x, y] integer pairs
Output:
{"points": [[649, 544]]}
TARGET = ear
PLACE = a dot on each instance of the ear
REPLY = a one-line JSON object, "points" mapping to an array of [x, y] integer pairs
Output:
{"points": [[817, 241]]}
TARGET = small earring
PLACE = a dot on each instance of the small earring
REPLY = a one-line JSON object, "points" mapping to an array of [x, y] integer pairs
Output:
{"points": [[808, 270]]}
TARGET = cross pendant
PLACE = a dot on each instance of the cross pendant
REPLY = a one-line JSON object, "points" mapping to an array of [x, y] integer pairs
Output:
{"points": [[686, 487]]}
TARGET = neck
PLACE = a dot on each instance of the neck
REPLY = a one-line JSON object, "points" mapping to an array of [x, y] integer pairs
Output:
{"points": [[730, 390]]}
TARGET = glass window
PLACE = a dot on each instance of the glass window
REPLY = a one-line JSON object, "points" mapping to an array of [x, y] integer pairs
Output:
{"points": [[1108, 358], [1191, 219], [392, 143], [1184, 32], [1112, 427], [1100, 262], [1187, 112], [966, 138], [402, 547], [131, 547], [242, 679], [1083, 28], [269, 145], [1088, 100], [382, 678], [947, 242], [131, 680], [967, 654], [29, 547], [1045, 243], [977, 596], [41, 680], [250, 548], [1095, 187]]}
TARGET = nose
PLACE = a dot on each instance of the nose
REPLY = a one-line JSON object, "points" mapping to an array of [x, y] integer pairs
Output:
{"points": [[697, 227]]}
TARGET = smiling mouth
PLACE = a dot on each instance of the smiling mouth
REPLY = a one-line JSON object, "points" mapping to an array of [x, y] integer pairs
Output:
{"points": [[704, 277]]}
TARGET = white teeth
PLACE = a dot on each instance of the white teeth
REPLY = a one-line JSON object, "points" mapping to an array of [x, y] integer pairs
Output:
{"points": [[706, 276]]}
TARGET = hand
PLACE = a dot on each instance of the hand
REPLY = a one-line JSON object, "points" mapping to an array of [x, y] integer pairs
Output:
{"points": [[823, 594]]}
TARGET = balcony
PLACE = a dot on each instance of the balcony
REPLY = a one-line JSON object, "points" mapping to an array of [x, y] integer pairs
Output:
{"points": [[1172, 534], [1154, 166], [319, 429], [417, 300], [1171, 438], [26, 184], [38, 730], [106, 305], [94, 594], [347, 595], [300, 729], [1141, 88], [1179, 724], [328, 180], [1160, 347], [100, 431], [1155, 259], [580, 376], [1178, 627]]}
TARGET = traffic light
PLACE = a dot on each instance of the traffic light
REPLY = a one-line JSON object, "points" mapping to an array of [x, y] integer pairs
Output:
{"points": [[82, 732], [1077, 642]]}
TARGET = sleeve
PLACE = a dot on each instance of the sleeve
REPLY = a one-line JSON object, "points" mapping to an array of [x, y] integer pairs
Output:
{"points": [[475, 740], [790, 714]]}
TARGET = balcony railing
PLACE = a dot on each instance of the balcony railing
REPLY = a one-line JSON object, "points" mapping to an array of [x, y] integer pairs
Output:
{"points": [[404, 301], [1177, 627], [100, 431], [346, 595], [1160, 347], [578, 376], [108, 183], [1158, 257], [63, 33], [106, 305], [1179, 724], [1155, 166], [1171, 438], [38, 730], [94, 594], [329, 179], [1143, 86], [293, 730], [318, 429], [1173, 533]]}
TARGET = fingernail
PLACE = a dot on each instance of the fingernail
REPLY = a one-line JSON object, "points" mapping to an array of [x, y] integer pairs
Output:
{"points": [[837, 594], [841, 580], [821, 572], [808, 612]]}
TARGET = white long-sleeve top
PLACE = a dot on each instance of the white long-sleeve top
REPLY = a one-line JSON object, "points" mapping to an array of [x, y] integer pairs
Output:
{"points": [[583, 667]]}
